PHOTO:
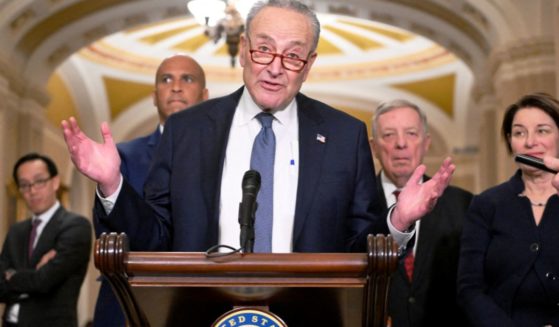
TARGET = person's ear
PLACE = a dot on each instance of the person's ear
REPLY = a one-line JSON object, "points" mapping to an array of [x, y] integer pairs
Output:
{"points": [[243, 50]]}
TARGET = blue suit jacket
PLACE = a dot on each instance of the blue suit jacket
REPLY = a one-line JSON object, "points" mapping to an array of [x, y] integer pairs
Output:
{"points": [[337, 203], [136, 156], [507, 259]]}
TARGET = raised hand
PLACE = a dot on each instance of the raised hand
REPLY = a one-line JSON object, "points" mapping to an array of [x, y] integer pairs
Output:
{"points": [[417, 199], [98, 161]]}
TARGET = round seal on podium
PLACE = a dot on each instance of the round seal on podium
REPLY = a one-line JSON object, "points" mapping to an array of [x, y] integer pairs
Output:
{"points": [[248, 317]]}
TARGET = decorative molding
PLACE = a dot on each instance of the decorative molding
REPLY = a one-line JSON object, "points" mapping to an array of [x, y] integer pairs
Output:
{"points": [[450, 17], [523, 57], [19, 87]]}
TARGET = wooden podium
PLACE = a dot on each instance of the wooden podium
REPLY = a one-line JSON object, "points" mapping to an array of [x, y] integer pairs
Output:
{"points": [[303, 289]]}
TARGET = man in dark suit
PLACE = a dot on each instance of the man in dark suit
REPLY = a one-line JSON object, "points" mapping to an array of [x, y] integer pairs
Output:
{"points": [[324, 197], [44, 259], [400, 139], [180, 82]]}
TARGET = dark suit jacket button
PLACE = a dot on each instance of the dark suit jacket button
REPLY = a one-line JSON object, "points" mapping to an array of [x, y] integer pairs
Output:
{"points": [[534, 247], [550, 275], [411, 300]]}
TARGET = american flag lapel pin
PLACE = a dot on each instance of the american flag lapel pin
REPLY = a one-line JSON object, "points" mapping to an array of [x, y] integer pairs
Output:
{"points": [[321, 138]]}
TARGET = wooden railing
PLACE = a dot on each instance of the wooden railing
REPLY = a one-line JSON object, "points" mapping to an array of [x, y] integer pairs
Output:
{"points": [[190, 289]]}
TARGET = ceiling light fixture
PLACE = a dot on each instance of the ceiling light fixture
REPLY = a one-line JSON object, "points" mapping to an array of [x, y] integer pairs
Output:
{"points": [[222, 19]]}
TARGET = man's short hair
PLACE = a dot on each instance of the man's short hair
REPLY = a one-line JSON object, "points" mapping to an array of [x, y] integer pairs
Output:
{"points": [[395, 104], [287, 4], [51, 166]]}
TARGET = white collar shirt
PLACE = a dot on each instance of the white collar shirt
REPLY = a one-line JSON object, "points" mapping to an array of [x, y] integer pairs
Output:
{"points": [[244, 129]]}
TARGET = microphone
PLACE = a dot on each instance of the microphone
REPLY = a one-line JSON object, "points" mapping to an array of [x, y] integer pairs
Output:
{"points": [[247, 209]]}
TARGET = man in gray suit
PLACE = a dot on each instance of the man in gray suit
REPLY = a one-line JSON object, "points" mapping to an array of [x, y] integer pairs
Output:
{"points": [[44, 258], [423, 289]]}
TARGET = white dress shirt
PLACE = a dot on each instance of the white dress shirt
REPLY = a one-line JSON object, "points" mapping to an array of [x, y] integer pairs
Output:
{"points": [[402, 238], [244, 129]]}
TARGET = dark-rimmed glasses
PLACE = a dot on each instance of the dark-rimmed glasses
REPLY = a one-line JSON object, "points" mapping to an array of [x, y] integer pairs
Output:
{"points": [[38, 184], [266, 58]]}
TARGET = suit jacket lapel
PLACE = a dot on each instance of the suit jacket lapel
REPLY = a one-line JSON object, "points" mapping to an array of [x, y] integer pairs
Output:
{"points": [[25, 252], [44, 241], [380, 192], [425, 242], [214, 142], [311, 152], [152, 143]]}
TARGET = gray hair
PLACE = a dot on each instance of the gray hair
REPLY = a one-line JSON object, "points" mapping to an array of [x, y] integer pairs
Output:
{"points": [[291, 5], [395, 104]]}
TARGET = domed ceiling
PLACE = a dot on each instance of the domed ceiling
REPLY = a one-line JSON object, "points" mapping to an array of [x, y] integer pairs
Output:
{"points": [[359, 64]]}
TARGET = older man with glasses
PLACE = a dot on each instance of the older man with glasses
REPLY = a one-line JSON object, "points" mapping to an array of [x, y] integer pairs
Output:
{"points": [[318, 188], [44, 258]]}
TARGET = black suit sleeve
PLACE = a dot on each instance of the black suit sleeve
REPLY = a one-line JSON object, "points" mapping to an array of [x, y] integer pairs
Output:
{"points": [[73, 247]]}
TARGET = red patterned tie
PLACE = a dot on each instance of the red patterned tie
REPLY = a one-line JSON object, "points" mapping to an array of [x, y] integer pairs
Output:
{"points": [[408, 264], [409, 259], [396, 194], [34, 224]]}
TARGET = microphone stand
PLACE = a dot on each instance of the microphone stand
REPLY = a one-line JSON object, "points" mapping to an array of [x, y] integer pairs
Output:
{"points": [[247, 229]]}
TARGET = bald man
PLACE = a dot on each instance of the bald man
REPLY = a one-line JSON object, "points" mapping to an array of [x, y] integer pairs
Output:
{"points": [[179, 83]]}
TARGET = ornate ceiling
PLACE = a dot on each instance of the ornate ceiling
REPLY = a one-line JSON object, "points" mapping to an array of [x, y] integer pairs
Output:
{"points": [[360, 63]]}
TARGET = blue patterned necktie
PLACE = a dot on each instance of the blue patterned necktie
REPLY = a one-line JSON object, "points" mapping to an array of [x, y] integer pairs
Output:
{"points": [[262, 160]]}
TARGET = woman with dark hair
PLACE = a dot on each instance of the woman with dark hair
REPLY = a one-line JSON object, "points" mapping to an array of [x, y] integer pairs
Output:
{"points": [[509, 261]]}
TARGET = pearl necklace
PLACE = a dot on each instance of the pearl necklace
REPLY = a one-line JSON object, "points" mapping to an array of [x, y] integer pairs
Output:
{"points": [[535, 204]]}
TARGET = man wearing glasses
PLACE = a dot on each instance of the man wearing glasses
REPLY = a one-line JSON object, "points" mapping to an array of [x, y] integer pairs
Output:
{"points": [[319, 195], [44, 259]]}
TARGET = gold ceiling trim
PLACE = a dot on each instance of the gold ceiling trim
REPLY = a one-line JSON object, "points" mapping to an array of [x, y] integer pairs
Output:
{"points": [[55, 22], [62, 103], [438, 90], [145, 26], [192, 44], [399, 36], [326, 47], [157, 37], [102, 52], [121, 94], [430, 58], [359, 41]]}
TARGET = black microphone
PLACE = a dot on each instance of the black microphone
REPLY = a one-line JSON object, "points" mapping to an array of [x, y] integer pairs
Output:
{"points": [[247, 209]]}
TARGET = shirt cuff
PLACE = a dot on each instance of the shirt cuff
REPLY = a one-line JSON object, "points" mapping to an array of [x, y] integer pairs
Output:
{"points": [[401, 238], [109, 201]]}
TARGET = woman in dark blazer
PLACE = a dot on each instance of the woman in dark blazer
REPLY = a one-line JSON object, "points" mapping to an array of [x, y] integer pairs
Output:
{"points": [[509, 261]]}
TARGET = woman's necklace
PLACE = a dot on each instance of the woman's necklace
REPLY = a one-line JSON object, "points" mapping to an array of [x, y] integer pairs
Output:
{"points": [[535, 204]]}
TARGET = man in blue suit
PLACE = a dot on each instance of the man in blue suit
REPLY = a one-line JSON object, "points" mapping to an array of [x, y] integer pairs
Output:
{"points": [[324, 187], [180, 82]]}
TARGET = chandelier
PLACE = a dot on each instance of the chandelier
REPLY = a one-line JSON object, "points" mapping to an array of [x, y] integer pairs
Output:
{"points": [[222, 19]]}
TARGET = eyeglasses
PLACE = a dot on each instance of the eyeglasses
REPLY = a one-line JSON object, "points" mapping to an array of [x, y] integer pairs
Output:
{"points": [[266, 58], [38, 184]]}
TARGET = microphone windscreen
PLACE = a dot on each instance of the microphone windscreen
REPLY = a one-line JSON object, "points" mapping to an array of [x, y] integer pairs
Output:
{"points": [[251, 182]]}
